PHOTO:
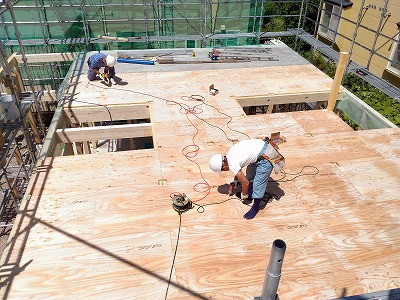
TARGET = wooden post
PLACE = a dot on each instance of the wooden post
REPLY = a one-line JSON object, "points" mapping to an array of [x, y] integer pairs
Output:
{"points": [[18, 156], [86, 144], [79, 148], [14, 189], [94, 143], [2, 147], [86, 147], [131, 140], [69, 150], [33, 127], [341, 67]]}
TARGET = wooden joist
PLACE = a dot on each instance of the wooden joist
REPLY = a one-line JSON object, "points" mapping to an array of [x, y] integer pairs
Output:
{"points": [[284, 98], [47, 57], [70, 135], [106, 113]]}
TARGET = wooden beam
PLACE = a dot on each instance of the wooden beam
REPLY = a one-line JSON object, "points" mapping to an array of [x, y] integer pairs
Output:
{"points": [[284, 98], [16, 77], [70, 135], [47, 57], [112, 38], [10, 61], [341, 67], [105, 113]]}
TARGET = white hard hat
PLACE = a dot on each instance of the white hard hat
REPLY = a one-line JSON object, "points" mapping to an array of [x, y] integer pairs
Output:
{"points": [[111, 61], [215, 162]]}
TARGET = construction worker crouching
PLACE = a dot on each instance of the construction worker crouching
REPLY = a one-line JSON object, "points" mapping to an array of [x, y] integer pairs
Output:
{"points": [[251, 154], [98, 61]]}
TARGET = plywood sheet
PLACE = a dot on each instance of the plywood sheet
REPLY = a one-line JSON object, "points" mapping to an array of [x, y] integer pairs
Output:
{"points": [[101, 226]]}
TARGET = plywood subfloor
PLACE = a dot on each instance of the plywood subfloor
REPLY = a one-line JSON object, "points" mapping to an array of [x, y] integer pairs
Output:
{"points": [[101, 227]]}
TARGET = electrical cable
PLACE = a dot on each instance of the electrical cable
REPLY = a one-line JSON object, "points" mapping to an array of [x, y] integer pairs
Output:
{"points": [[189, 151], [98, 104], [176, 250], [227, 124], [298, 174], [209, 204], [190, 154], [172, 102]]}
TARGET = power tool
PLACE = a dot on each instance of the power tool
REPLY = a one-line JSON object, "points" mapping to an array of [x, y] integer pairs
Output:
{"points": [[104, 77], [232, 187], [181, 203]]}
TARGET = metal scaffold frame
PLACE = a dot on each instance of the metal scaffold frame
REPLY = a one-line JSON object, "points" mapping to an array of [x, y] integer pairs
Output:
{"points": [[157, 26], [17, 142]]}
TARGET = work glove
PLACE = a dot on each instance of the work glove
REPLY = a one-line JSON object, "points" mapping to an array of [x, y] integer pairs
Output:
{"points": [[244, 197], [232, 187], [104, 76]]}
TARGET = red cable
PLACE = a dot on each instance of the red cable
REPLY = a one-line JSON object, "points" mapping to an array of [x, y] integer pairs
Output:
{"points": [[191, 151]]}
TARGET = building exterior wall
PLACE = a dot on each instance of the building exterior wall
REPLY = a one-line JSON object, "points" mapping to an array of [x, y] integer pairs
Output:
{"points": [[366, 30]]}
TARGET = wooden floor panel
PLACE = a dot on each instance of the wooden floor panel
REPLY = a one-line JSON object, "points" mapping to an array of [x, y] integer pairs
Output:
{"points": [[310, 122], [101, 226]]}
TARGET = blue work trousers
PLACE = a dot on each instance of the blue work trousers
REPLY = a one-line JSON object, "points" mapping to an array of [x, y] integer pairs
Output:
{"points": [[258, 173]]}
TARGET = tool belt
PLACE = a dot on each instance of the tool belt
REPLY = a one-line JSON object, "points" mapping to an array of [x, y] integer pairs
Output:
{"points": [[272, 154]]}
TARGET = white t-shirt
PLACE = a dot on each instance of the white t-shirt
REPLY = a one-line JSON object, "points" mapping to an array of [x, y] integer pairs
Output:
{"points": [[244, 153]]}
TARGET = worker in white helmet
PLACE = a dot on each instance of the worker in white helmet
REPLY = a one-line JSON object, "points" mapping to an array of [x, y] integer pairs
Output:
{"points": [[101, 60], [247, 153]]}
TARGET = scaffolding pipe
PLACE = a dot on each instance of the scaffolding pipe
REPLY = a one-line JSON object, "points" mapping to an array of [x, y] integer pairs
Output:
{"points": [[6, 69], [298, 24], [274, 271], [46, 44], [261, 18], [85, 24], [360, 17], [24, 59], [146, 16], [384, 15]]}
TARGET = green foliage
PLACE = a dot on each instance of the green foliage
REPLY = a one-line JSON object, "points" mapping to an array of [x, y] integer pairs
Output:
{"points": [[317, 59], [349, 122], [290, 11], [275, 24], [385, 105]]}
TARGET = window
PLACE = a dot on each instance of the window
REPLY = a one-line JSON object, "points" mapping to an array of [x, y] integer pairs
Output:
{"points": [[394, 64], [329, 21]]}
